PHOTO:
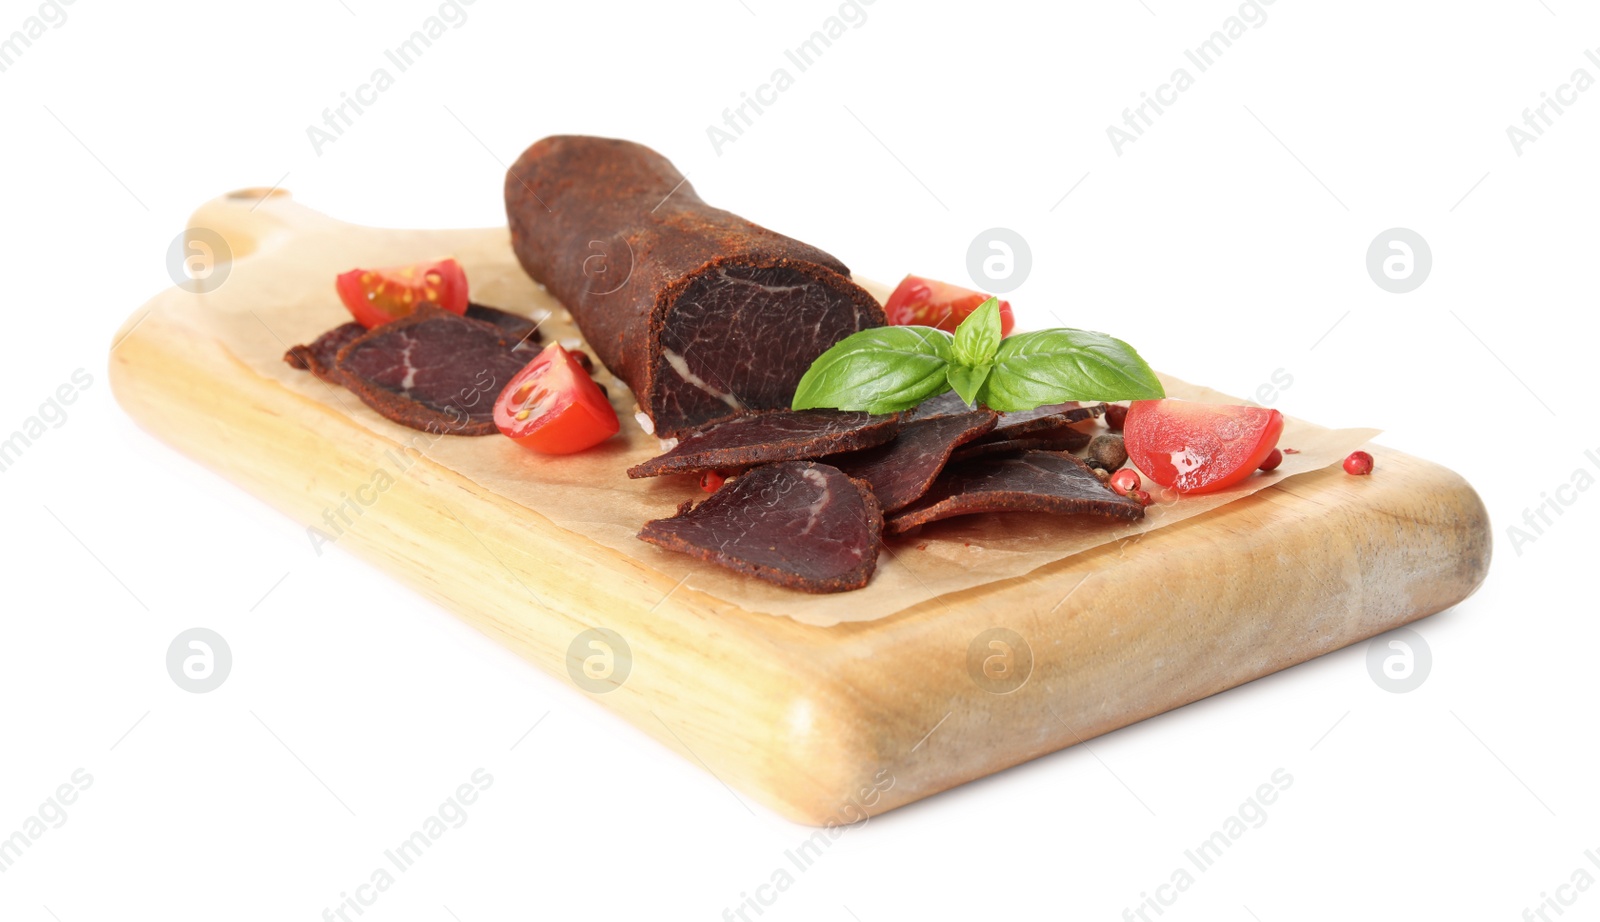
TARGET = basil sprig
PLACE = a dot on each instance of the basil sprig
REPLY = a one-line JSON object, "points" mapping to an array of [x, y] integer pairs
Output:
{"points": [[893, 368], [881, 370]]}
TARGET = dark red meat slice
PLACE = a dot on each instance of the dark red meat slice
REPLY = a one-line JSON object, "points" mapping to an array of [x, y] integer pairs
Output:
{"points": [[1051, 418], [318, 357], [1066, 440], [948, 403], [900, 471], [521, 330], [432, 370], [773, 435], [1052, 427], [1035, 481], [703, 313], [798, 524]]}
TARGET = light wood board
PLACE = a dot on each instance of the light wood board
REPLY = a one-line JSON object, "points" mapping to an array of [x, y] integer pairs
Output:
{"points": [[825, 725]]}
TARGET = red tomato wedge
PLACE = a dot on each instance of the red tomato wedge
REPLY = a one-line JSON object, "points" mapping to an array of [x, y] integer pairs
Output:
{"points": [[377, 296], [924, 302], [1199, 447], [553, 406]]}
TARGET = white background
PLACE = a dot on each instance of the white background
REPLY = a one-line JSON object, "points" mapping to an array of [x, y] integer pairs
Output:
{"points": [[1226, 243]]}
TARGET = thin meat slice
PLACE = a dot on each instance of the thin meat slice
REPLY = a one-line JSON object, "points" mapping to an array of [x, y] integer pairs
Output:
{"points": [[1035, 481], [797, 524], [523, 331], [901, 471], [774, 435], [1050, 418], [1067, 439], [432, 370], [318, 358], [948, 403]]}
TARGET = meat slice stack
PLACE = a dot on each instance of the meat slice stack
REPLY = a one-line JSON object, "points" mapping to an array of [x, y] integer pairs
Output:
{"points": [[776, 435], [1032, 481], [814, 491], [902, 470], [1053, 427]]}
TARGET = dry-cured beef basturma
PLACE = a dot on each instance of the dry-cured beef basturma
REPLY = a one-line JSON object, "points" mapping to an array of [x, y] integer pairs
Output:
{"points": [[431, 370], [318, 358], [901, 471], [774, 435], [1035, 481], [702, 313], [948, 403], [798, 524], [1066, 440], [1038, 422], [521, 330], [1052, 427]]}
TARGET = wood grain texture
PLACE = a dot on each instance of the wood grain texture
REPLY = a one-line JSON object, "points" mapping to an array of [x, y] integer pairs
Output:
{"points": [[816, 722]]}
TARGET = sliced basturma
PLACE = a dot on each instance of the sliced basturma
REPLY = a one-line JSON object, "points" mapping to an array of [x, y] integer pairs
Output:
{"points": [[901, 471], [948, 403], [431, 370], [1066, 440], [318, 357], [1035, 481], [1053, 427], [797, 524], [521, 330], [1049, 419], [772, 435], [702, 313]]}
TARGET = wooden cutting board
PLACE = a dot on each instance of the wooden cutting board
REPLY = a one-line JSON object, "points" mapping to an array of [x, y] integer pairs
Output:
{"points": [[823, 724]]}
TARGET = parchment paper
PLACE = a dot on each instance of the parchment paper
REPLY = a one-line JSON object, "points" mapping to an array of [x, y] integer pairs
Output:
{"points": [[260, 315]]}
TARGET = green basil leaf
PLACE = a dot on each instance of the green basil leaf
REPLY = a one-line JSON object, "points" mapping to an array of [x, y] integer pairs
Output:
{"points": [[880, 370], [967, 381], [1052, 366], [978, 336]]}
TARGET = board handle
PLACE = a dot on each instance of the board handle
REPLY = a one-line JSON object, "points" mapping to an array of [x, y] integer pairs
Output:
{"points": [[253, 220]]}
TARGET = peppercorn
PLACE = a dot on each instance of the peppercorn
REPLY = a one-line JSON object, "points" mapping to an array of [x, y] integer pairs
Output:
{"points": [[1142, 497], [1273, 460], [1108, 451], [1116, 415], [582, 358], [1101, 474], [1358, 464], [1125, 481]]}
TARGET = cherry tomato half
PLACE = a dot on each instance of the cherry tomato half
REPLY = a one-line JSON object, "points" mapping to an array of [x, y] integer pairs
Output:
{"points": [[1199, 447], [553, 406], [917, 301], [377, 296]]}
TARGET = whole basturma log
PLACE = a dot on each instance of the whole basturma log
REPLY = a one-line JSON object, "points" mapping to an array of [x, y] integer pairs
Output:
{"points": [[702, 313]]}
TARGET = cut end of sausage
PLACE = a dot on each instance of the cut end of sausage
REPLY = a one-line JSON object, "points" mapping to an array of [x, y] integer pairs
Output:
{"points": [[739, 337]]}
